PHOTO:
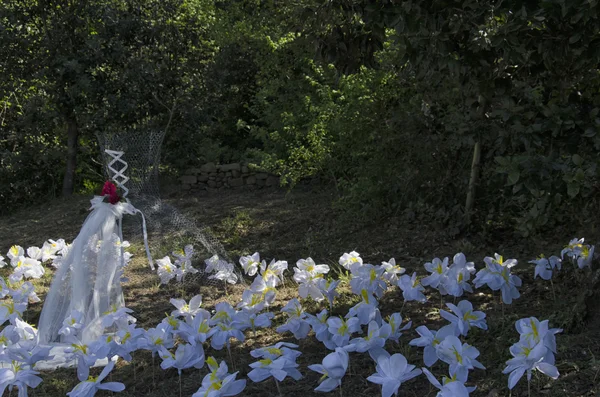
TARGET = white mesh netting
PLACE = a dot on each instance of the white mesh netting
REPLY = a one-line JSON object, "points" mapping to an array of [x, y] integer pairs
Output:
{"points": [[167, 227]]}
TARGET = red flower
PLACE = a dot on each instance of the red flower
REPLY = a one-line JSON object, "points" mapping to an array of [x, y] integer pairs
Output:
{"points": [[110, 190]]}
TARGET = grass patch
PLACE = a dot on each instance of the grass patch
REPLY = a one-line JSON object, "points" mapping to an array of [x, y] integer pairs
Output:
{"points": [[302, 224]]}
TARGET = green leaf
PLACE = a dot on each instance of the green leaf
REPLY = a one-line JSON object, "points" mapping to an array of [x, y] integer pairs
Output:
{"points": [[589, 133], [572, 189], [503, 161], [557, 198], [577, 160], [513, 177]]}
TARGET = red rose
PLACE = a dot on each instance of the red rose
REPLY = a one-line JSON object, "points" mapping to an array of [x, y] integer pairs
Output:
{"points": [[110, 190]]}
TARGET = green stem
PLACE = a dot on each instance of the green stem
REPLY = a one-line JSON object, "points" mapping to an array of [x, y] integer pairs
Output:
{"points": [[278, 388]]}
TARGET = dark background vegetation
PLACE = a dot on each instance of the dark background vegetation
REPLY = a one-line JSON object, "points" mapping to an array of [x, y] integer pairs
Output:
{"points": [[406, 107]]}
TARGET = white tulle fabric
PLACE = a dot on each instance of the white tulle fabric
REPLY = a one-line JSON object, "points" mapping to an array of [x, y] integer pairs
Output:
{"points": [[89, 279]]}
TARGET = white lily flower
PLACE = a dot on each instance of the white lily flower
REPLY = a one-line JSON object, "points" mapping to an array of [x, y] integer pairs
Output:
{"points": [[8, 337], [308, 284], [20, 377], [224, 313], [72, 324], [311, 267], [26, 268], [430, 340], [534, 331], [212, 264], [226, 273], [273, 273], [572, 250], [341, 329], [461, 357], [127, 257], [412, 290], [184, 269], [527, 357], [29, 352], [86, 354], [328, 289], [14, 253], [266, 288], [11, 311], [366, 310], [195, 329], [24, 293], [50, 248], [25, 330], [370, 278], [186, 356], [166, 270], [60, 258], [126, 340], [351, 260], [585, 256], [460, 261], [392, 372], [254, 320], [222, 332], [2, 262], [89, 386], [392, 271], [154, 338], [118, 316], [372, 342], [333, 368], [464, 317], [438, 269], [252, 301], [279, 368], [319, 326], [544, 266], [280, 349], [250, 263], [184, 257], [458, 276], [34, 253], [395, 320], [226, 387], [497, 276], [218, 371], [296, 322], [450, 387], [184, 309]]}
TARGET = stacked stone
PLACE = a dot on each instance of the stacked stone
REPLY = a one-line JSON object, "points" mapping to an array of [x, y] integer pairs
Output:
{"points": [[212, 177]]}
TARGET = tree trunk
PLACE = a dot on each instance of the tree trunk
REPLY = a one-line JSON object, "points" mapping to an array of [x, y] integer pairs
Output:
{"points": [[472, 182], [72, 143]]}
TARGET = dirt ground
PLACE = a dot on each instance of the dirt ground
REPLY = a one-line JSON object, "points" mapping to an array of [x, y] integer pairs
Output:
{"points": [[290, 226]]}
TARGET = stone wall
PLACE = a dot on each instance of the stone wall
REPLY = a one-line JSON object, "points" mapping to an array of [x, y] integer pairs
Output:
{"points": [[211, 176]]}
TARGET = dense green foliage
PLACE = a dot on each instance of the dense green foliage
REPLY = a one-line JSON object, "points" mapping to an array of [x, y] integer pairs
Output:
{"points": [[386, 100]]}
